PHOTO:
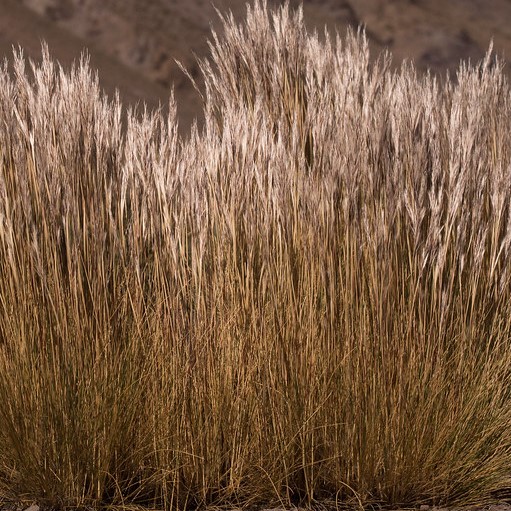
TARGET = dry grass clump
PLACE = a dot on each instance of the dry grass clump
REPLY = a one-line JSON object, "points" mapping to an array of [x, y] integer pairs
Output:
{"points": [[306, 301]]}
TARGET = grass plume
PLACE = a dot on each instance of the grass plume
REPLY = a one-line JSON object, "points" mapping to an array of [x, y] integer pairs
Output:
{"points": [[305, 301]]}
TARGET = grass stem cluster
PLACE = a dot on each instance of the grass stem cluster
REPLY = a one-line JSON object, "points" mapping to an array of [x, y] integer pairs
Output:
{"points": [[308, 300]]}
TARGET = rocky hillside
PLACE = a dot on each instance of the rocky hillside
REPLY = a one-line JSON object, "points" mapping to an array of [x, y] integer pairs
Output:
{"points": [[133, 43]]}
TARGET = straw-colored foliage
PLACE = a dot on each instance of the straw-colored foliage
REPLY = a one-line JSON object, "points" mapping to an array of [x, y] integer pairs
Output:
{"points": [[308, 300]]}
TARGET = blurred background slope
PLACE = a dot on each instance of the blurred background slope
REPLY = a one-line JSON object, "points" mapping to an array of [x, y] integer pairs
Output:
{"points": [[133, 43]]}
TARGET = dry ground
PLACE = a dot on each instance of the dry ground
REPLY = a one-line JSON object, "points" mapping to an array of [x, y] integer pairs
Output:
{"points": [[133, 42], [494, 507]]}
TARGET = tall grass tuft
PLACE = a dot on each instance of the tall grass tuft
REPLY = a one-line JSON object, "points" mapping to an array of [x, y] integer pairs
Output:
{"points": [[308, 301]]}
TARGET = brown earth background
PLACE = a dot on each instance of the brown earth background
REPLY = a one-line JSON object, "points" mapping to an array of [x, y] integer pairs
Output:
{"points": [[134, 43]]}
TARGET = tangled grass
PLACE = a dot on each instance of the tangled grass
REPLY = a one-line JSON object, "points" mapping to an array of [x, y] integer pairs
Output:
{"points": [[306, 301]]}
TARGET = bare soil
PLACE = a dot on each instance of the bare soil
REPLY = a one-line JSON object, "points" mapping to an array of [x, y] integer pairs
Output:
{"points": [[133, 43]]}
